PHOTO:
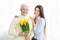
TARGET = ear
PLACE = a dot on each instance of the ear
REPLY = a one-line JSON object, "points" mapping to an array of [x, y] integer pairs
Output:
{"points": [[16, 16]]}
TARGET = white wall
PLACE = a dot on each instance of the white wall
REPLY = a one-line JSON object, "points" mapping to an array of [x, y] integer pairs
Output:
{"points": [[10, 8]]}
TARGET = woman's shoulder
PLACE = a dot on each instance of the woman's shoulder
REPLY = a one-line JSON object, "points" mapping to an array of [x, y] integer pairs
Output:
{"points": [[41, 19], [15, 18]]}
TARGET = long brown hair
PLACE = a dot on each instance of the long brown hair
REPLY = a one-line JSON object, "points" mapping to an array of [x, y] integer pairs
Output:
{"points": [[41, 14]]}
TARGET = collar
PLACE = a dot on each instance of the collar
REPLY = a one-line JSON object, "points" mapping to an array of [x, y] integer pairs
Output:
{"points": [[22, 16], [38, 17]]}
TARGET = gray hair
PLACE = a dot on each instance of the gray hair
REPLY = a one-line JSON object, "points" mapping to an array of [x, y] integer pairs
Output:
{"points": [[24, 5]]}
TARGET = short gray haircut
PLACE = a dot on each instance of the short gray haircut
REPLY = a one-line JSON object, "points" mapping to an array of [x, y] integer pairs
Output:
{"points": [[24, 5]]}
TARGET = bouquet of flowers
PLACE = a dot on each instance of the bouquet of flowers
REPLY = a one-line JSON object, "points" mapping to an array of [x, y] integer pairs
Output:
{"points": [[24, 24]]}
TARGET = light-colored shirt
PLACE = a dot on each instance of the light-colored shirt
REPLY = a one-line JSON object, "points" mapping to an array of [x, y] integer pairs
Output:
{"points": [[39, 29], [15, 28]]}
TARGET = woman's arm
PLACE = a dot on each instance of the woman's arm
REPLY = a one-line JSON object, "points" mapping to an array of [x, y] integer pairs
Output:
{"points": [[31, 33], [33, 23], [12, 30]]}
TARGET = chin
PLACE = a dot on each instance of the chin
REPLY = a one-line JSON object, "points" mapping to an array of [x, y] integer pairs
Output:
{"points": [[25, 14]]}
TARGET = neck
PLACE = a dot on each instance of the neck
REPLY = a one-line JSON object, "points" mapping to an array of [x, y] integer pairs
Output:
{"points": [[37, 17], [23, 15]]}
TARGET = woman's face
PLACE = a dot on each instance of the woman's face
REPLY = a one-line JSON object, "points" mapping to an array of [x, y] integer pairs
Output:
{"points": [[36, 12], [24, 10]]}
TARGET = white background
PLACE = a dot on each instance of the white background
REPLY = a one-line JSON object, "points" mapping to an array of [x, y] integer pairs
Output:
{"points": [[10, 8]]}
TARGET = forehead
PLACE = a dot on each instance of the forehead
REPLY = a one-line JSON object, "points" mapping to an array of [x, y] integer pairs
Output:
{"points": [[36, 8], [24, 7]]}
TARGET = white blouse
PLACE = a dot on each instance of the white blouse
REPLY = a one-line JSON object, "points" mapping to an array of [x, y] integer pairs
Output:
{"points": [[39, 29]]}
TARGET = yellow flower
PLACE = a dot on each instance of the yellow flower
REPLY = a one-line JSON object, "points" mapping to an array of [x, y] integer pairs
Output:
{"points": [[21, 22], [25, 20]]}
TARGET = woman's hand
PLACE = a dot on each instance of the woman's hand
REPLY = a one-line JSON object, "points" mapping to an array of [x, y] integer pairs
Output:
{"points": [[22, 34], [33, 22], [28, 38]]}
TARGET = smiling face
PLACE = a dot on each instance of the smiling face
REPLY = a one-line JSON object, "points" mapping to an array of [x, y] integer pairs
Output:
{"points": [[36, 12], [24, 10]]}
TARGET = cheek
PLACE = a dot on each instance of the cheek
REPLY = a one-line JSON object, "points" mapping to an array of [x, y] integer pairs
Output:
{"points": [[22, 10], [26, 10], [36, 13]]}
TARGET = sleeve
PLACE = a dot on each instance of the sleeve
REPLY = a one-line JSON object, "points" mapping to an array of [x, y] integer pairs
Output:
{"points": [[32, 33], [12, 30], [39, 26], [31, 28]]}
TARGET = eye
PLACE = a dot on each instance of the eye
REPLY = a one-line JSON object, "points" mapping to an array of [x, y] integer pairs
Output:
{"points": [[26, 9], [37, 9]]}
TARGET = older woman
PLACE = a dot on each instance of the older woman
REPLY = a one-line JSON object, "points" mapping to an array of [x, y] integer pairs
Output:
{"points": [[15, 29]]}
